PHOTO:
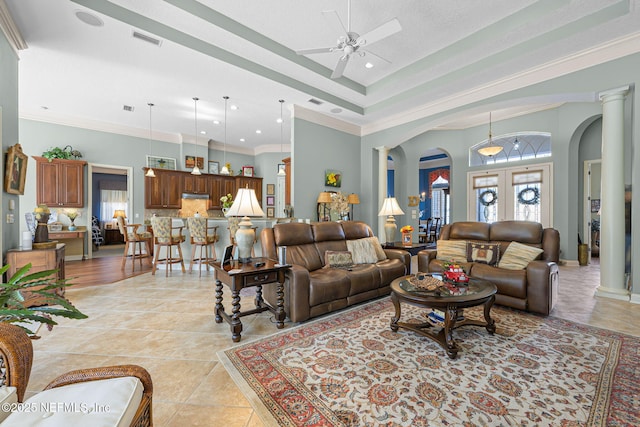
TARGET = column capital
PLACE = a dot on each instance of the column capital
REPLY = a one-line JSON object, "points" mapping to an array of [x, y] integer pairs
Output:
{"points": [[619, 91], [383, 148]]}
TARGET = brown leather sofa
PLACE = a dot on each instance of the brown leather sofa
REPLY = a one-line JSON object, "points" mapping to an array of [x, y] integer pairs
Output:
{"points": [[310, 289], [533, 289]]}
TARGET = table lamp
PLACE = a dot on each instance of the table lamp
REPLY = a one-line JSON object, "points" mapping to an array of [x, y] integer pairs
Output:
{"points": [[245, 205], [353, 199], [390, 208], [119, 213], [324, 198]]}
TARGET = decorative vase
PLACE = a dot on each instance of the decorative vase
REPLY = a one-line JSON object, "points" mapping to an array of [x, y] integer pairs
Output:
{"points": [[72, 227], [224, 211], [42, 231], [407, 239]]}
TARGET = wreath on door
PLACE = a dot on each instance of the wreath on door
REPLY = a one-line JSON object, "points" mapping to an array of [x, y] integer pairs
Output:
{"points": [[488, 198], [529, 196]]}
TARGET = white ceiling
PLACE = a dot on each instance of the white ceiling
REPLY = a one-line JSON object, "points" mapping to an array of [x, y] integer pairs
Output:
{"points": [[447, 53]]}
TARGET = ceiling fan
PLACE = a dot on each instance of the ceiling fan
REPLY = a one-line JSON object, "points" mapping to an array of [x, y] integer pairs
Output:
{"points": [[352, 42]]}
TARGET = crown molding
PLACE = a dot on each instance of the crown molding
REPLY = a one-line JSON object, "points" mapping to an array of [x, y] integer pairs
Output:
{"points": [[10, 29], [300, 112], [597, 55]]}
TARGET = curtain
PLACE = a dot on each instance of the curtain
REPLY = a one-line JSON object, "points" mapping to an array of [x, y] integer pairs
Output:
{"points": [[110, 200]]}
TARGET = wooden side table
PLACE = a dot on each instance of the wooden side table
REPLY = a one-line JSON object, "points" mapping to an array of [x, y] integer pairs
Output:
{"points": [[237, 276], [113, 236]]}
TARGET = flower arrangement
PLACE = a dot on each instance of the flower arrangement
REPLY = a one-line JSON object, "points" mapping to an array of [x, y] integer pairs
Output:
{"points": [[406, 229], [227, 201], [340, 204], [72, 214]]}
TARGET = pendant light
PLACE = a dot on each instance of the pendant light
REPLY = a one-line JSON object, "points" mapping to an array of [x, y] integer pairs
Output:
{"points": [[150, 173], [281, 172], [490, 149], [225, 169], [196, 169]]}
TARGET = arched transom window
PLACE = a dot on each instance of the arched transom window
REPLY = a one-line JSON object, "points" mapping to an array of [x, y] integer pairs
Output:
{"points": [[515, 147]]}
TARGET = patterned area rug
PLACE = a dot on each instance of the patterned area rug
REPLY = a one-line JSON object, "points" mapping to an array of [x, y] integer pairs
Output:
{"points": [[350, 369]]}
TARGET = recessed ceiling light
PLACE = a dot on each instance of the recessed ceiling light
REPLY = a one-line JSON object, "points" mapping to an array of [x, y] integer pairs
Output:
{"points": [[234, 107], [89, 19], [258, 131], [279, 120], [216, 122], [241, 139], [368, 65], [336, 110], [203, 132]]}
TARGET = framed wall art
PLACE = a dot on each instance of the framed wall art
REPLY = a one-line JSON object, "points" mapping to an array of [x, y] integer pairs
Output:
{"points": [[332, 178], [271, 200], [247, 171], [15, 170], [271, 212], [161, 162], [214, 167], [190, 162], [281, 168], [271, 189]]}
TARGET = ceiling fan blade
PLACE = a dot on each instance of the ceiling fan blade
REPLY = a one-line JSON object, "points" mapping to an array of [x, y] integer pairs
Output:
{"points": [[334, 20], [340, 66], [385, 30], [368, 52], [318, 50]]}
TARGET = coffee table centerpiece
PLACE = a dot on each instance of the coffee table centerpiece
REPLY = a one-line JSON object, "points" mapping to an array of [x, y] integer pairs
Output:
{"points": [[436, 292]]}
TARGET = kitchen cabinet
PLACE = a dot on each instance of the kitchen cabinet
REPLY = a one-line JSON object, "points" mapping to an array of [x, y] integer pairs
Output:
{"points": [[164, 191], [220, 185], [250, 182], [60, 183], [195, 184], [40, 259]]}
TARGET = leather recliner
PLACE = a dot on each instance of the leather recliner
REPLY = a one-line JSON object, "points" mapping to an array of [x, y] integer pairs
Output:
{"points": [[533, 289], [311, 289]]}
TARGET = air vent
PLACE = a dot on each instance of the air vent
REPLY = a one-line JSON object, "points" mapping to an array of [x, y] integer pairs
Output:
{"points": [[127, 108], [146, 38], [315, 101]]}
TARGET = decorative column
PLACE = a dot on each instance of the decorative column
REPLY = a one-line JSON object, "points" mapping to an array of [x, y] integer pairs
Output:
{"points": [[612, 251], [383, 154]]}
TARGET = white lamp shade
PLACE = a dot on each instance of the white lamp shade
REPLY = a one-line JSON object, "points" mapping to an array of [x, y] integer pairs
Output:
{"points": [[390, 207], [245, 204]]}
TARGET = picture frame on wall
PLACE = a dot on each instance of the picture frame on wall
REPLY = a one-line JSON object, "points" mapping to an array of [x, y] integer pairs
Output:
{"points": [[190, 162], [271, 200], [214, 167], [271, 212], [247, 171], [156, 162], [15, 170], [271, 189], [281, 168]]}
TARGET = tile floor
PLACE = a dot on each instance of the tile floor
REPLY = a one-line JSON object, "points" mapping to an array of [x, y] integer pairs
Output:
{"points": [[167, 326]]}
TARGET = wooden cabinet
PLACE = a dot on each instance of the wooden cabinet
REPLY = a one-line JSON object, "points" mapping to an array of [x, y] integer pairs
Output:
{"points": [[40, 259], [195, 184], [250, 182], [60, 183], [164, 191], [113, 236], [220, 185]]}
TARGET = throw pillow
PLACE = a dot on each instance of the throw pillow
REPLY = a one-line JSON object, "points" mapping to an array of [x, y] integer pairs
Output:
{"points": [[363, 251], [337, 259], [518, 256], [483, 252], [451, 250]]}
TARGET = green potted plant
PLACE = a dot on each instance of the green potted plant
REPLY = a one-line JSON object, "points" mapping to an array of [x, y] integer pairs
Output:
{"points": [[43, 283], [61, 153]]}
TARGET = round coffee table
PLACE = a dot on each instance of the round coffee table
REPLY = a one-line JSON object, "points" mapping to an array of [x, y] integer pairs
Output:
{"points": [[450, 299]]}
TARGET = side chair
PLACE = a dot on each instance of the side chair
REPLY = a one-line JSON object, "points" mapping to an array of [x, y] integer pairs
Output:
{"points": [[168, 235], [135, 235], [204, 235], [126, 389]]}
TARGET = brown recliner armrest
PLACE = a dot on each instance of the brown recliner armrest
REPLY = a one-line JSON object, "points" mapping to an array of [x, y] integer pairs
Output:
{"points": [[296, 292], [402, 255], [542, 286], [424, 258]]}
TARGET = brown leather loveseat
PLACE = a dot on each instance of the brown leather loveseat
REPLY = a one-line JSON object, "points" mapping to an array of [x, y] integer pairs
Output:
{"points": [[533, 288], [311, 287]]}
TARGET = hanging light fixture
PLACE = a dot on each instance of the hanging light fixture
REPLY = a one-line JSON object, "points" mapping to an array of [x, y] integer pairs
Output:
{"points": [[150, 173], [225, 169], [490, 149], [196, 169], [281, 172]]}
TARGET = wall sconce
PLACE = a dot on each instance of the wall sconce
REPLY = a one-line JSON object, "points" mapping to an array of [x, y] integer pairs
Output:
{"points": [[423, 196]]}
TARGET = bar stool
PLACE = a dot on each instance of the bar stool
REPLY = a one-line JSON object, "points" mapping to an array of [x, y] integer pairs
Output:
{"points": [[167, 234], [134, 238], [204, 235]]}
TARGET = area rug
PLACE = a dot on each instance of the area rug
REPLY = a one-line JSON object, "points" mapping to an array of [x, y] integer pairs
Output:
{"points": [[350, 369]]}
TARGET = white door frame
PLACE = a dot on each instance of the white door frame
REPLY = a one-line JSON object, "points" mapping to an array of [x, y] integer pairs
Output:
{"points": [[90, 167], [586, 210]]}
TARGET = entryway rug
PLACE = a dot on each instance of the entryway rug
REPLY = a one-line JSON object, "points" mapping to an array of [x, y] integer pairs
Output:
{"points": [[350, 369]]}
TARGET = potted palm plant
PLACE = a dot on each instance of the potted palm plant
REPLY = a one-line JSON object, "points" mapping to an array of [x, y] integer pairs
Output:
{"points": [[44, 283]]}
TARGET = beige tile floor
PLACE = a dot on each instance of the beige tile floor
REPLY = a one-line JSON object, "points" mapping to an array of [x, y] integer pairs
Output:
{"points": [[167, 326]]}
